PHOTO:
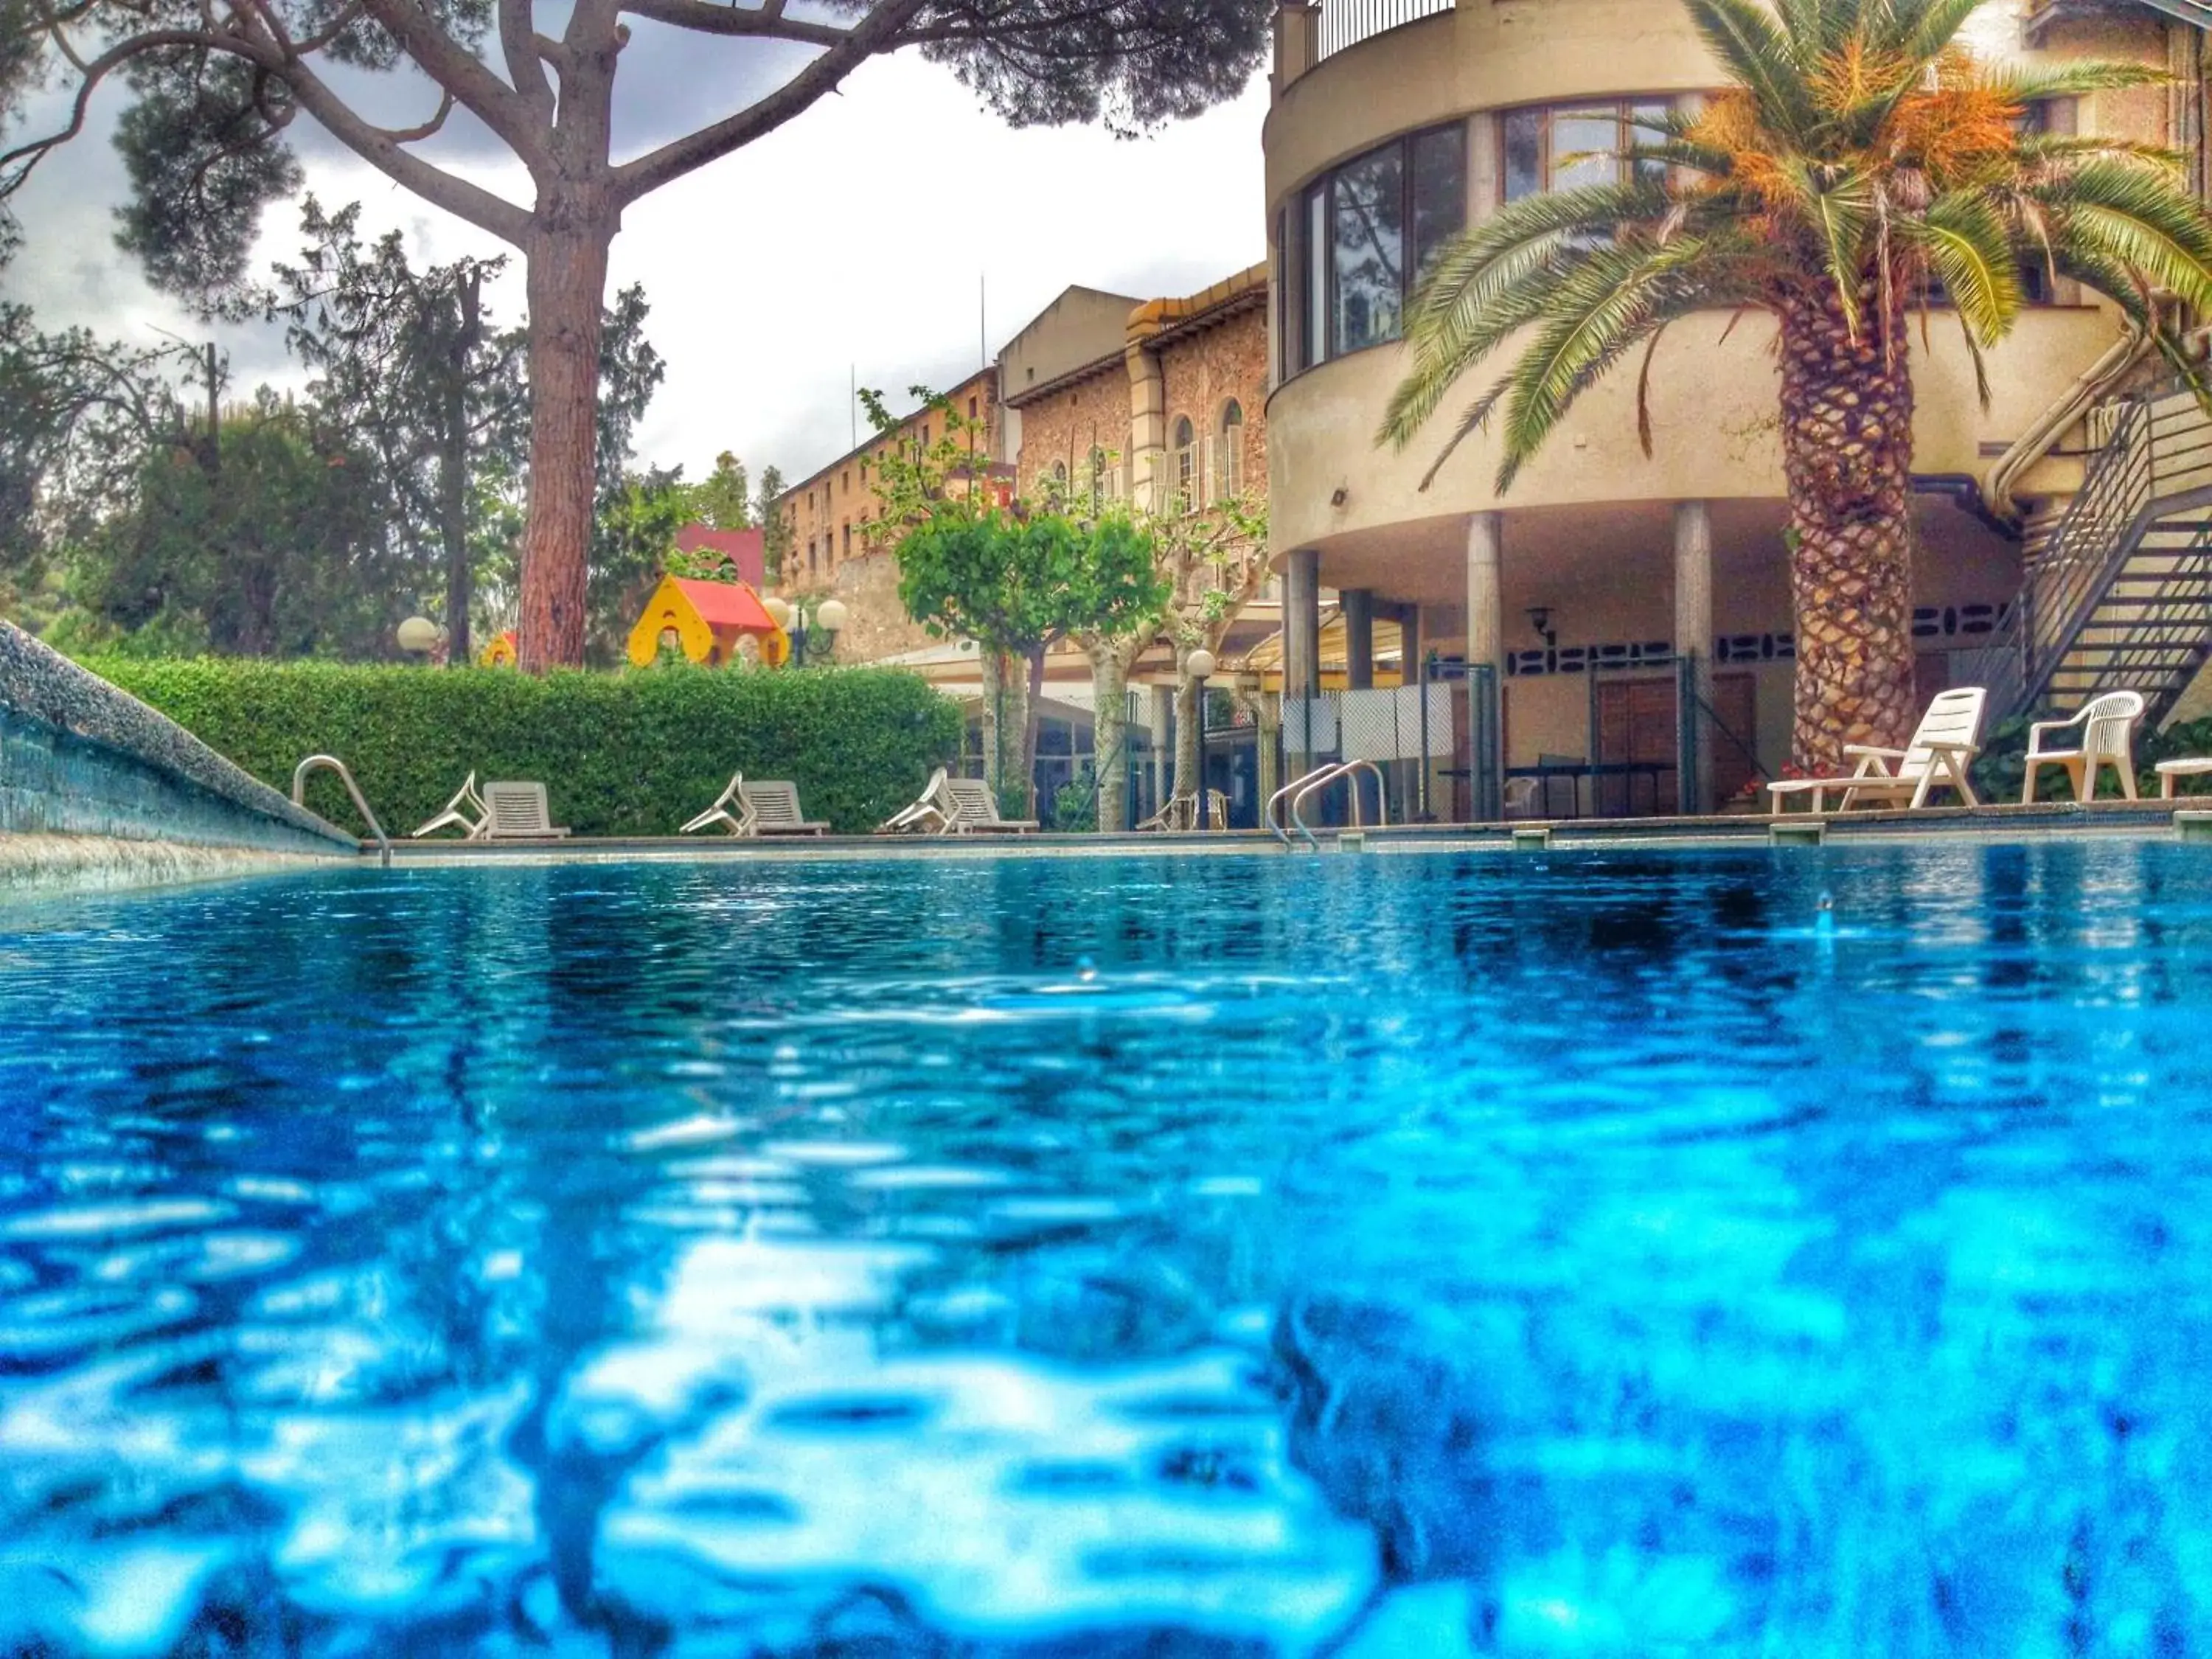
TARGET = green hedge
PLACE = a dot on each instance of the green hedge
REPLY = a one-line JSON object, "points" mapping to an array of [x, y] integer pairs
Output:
{"points": [[630, 753]]}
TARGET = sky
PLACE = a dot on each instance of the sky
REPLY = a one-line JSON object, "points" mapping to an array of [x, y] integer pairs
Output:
{"points": [[852, 241]]}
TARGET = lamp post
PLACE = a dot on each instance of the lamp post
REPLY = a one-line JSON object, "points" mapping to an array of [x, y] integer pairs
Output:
{"points": [[419, 635], [830, 616], [1198, 664]]}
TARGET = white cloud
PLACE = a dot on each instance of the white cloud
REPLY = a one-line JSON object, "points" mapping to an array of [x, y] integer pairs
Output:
{"points": [[852, 238]]}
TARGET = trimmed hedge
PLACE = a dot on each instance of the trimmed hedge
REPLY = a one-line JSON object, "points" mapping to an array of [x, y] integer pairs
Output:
{"points": [[620, 755]]}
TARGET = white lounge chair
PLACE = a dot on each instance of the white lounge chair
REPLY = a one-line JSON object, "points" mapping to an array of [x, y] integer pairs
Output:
{"points": [[517, 811], [772, 809], [931, 813], [1948, 738], [457, 812], [2107, 738], [719, 813], [974, 810]]}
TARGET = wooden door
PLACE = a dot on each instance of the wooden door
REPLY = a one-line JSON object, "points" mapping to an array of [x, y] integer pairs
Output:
{"points": [[1636, 722]]}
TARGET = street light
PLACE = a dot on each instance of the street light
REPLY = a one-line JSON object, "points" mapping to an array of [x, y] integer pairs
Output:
{"points": [[1198, 664], [830, 616], [419, 635]]}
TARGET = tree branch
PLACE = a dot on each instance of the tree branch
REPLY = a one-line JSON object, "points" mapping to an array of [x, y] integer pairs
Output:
{"points": [[417, 134], [759, 21], [460, 71], [879, 31], [463, 200], [17, 165], [518, 40]]}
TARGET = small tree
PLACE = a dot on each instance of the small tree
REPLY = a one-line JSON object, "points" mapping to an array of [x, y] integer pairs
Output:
{"points": [[723, 499], [774, 523]]}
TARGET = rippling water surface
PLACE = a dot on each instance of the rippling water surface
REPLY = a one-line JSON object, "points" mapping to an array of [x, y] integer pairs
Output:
{"points": [[1592, 1254]]}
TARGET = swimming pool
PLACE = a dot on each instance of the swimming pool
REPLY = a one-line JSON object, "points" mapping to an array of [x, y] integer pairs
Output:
{"points": [[1594, 1252]]}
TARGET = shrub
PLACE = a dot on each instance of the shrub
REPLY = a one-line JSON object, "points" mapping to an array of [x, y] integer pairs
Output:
{"points": [[619, 755]]}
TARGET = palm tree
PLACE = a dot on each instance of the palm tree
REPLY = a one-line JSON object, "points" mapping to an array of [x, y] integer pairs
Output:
{"points": [[1857, 159]]}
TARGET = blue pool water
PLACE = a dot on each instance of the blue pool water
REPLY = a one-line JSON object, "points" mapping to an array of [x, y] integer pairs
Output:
{"points": [[1593, 1253]]}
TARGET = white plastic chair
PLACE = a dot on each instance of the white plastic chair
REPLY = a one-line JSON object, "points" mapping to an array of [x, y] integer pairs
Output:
{"points": [[456, 811], [2107, 739], [1944, 745]]}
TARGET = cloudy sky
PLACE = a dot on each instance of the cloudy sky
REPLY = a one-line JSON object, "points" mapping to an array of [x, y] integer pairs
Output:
{"points": [[853, 238]]}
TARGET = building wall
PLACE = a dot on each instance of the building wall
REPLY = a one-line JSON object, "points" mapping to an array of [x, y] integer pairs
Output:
{"points": [[1200, 372], [1061, 427], [876, 624], [829, 512], [1079, 327]]}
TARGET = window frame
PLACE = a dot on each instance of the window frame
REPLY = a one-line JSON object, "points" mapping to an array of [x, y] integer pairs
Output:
{"points": [[1311, 257], [1622, 105]]}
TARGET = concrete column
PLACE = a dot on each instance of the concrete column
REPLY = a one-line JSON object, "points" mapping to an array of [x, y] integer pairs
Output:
{"points": [[1485, 648], [1411, 667], [1693, 636], [1148, 420], [1358, 637], [1301, 653], [1159, 706]]}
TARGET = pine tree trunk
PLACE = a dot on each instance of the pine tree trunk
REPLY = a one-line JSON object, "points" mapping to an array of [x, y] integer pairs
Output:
{"points": [[454, 469], [568, 277], [1109, 735], [1847, 455]]}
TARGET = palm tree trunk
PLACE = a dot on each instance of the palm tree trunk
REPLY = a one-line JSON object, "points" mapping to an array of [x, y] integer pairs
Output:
{"points": [[1847, 456]]}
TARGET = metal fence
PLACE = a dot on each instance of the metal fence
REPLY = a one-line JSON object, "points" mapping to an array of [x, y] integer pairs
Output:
{"points": [[1348, 23]]}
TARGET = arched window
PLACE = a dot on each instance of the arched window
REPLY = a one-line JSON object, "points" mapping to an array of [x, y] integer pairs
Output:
{"points": [[1100, 488], [1232, 448], [1185, 465]]}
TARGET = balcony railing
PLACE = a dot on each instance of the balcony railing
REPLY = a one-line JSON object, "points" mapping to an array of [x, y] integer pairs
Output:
{"points": [[1348, 23]]}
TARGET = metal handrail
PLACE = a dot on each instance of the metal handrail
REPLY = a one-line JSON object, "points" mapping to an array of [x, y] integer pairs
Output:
{"points": [[332, 762], [1320, 778]]}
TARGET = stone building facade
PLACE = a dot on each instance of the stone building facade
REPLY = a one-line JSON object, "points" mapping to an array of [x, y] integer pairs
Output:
{"points": [[829, 512]]}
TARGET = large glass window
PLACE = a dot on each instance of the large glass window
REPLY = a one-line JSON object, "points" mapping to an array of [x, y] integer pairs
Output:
{"points": [[1565, 146], [1370, 199], [1362, 237]]}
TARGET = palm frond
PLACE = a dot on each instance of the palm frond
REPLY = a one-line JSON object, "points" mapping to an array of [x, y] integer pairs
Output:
{"points": [[1838, 205], [2140, 220], [1609, 303], [1680, 153], [2081, 146], [1926, 29], [1758, 56], [1521, 295], [2024, 84], [1971, 252], [1469, 270]]}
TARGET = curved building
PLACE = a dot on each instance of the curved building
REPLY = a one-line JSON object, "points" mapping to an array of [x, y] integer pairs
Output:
{"points": [[1574, 601]]}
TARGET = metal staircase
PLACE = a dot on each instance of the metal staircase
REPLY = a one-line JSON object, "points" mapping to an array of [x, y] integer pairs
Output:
{"points": [[2115, 590]]}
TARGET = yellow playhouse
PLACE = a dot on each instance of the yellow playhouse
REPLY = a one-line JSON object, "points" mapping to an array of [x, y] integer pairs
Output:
{"points": [[710, 621]]}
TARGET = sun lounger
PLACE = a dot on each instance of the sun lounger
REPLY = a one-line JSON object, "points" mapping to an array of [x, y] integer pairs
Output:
{"points": [[1176, 814], [974, 810], [1948, 738], [517, 811], [719, 813], [2107, 738], [458, 812], [772, 809], [931, 813]]}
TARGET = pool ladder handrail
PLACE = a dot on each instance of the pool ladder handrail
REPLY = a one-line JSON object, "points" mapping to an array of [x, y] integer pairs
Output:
{"points": [[1298, 789], [332, 762]]}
